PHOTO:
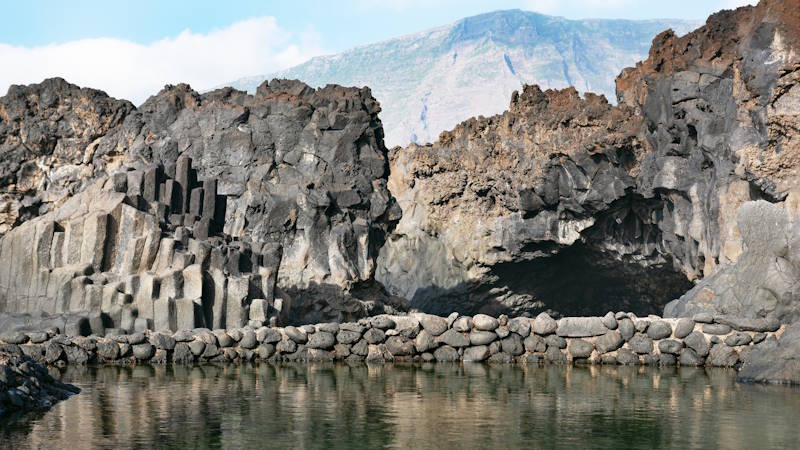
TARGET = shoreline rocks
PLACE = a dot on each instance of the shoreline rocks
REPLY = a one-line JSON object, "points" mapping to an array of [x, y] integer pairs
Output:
{"points": [[420, 337], [26, 385]]}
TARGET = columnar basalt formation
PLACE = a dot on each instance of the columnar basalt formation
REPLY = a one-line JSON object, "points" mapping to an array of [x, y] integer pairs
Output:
{"points": [[575, 206], [193, 197]]}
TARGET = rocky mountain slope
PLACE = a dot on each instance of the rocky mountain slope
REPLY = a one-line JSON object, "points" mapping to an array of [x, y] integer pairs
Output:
{"points": [[430, 81], [578, 206]]}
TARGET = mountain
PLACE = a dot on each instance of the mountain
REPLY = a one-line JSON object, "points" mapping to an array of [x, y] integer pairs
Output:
{"points": [[430, 81]]}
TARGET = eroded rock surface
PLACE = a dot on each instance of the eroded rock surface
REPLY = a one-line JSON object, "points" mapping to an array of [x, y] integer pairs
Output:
{"points": [[561, 203], [177, 198]]}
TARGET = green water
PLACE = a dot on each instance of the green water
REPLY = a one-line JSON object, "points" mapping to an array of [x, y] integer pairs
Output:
{"points": [[428, 406]]}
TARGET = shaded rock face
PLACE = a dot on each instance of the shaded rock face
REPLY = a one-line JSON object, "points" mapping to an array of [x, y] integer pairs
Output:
{"points": [[287, 186], [559, 203]]}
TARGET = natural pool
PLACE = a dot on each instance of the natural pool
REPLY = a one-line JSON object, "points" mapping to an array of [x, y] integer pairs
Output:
{"points": [[411, 406]]}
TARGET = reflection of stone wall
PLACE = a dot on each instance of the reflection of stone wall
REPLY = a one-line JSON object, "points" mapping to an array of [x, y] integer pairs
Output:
{"points": [[140, 250], [613, 339], [464, 406]]}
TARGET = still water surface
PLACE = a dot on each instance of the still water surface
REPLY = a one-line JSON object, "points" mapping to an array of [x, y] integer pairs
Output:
{"points": [[414, 406]]}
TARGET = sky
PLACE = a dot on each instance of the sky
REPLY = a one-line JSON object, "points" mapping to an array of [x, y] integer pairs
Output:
{"points": [[131, 49]]}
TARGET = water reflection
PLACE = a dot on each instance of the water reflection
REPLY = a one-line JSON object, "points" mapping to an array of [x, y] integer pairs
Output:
{"points": [[429, 406]]}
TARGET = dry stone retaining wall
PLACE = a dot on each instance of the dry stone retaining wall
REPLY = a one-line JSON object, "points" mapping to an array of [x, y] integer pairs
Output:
{"points": [[620, 338]]}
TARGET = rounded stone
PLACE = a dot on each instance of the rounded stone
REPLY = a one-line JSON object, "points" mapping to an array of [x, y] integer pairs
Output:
{"points": [[666, 359], [347, 337], [554, 341], [703, 317], [555, 355], [331, 327], [446, 353], [476, 353], [697, 342], [690, 358], [641, 344], [295, 334], [670, 346], [627, 357], [512, 345], [477, 337], [268, 335], [659, 329], [143, 352], [500, 358], [197, 347], [321, 340], [382, 322], [15, 338], [223, 338], [683, 327], [399, 346], [520, 326], [502, 331], [162, 341], [248, 340], [265, 351], [375, 335], [484, 322], [463, 324], [722, 356], [609, 342], [626, 328], [454, 339], [534, 343], [543, 324], [716, 328], [610, 321], [578, 348], [434, 325]]}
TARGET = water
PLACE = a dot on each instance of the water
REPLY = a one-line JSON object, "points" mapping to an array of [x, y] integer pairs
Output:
{"points": [[395, 406]]}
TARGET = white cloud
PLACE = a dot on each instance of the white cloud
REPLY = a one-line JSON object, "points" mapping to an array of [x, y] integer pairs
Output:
{"points": [[135, 71]]}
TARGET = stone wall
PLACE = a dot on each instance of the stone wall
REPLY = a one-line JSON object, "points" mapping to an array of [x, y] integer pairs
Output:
{"points": [[620, 338]]}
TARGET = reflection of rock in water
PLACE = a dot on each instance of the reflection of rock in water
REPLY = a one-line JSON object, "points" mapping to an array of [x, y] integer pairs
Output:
{"points": [[411, 406]]}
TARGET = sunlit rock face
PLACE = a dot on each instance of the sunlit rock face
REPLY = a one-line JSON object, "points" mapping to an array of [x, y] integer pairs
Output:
{"points": [[576, 206], [290, 183]]}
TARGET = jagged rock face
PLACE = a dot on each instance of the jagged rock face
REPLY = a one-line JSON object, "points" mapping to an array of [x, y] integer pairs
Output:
{"points": [[298, 174], [48, 133], [579, 207]]}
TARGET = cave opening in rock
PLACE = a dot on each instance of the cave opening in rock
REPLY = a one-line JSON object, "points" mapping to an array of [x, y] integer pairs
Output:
{"points": [[583, 281]]}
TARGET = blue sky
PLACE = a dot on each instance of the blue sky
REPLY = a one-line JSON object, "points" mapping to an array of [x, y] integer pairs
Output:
{"points": [[131, 48]]}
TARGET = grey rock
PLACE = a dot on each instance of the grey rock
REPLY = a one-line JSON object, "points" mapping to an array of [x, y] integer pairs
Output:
{"points": [[579, 348], [316, 354], [555, 355], [520, 326], [321, 340], [610, 321], [182, 354], [581, 327], [347, 337], [641, 344], [627, 357], [737, 339], [759, 337], [609, 342], [197, 347], [249, 340], [108, 350], [513, 345], [502, 331], [703, 317], [143, 352], [544, 324], [360, 348], [15, 338], [382, 322], [454, 339], [683, 327], [224, 340], [555, 341], [295, 334], [690, 358], [463, 324], [697, 342], [476, 353], [268, 335], [500, 358], [626, 328], [375, 335], [162, 341], [265, 350], [534, 343], [446, 353], [641, 325], [670, 346], [484, 322], [286, 346], [352, 326], [399, 346], [659, 329], [774, 361], [434, 325], [667, 360], [482, 337], [749, 324], [136, 338], [716, 328], [722, 356], [331, 327]]}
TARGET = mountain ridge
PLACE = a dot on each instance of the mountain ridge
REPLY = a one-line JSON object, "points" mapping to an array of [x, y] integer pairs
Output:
{"points": [[431, 80]]}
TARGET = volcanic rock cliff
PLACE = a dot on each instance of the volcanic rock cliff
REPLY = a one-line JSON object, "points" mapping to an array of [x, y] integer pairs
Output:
{"points": [[574, 206], [209, 199]]}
